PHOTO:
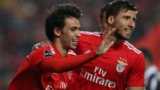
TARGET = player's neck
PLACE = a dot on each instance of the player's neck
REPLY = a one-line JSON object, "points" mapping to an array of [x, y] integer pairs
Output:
{"points": [[60, 47]]}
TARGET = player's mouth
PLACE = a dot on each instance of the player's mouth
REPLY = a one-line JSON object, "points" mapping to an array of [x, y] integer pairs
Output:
{"points": [[128, 32], [75, 42]]}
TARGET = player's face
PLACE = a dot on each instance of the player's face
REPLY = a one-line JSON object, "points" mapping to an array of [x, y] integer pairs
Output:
{"points": [[70, 33], [125, 23]]}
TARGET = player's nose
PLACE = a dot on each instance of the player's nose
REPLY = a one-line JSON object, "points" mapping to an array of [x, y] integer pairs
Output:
{"points": [[77, 33], [132, 24]]}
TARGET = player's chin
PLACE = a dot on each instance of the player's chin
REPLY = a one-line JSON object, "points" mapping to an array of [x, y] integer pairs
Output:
{"points": [[126, 37], [73, 46], [123, 37]]}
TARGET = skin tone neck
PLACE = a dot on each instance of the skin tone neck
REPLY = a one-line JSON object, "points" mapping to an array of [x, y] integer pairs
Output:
{"points": [[60, 48]]}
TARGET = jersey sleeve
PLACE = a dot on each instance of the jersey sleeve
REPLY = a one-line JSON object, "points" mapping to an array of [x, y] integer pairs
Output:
{"points": [[87, 41], [136, 76], [62, 64], [47, 61]]}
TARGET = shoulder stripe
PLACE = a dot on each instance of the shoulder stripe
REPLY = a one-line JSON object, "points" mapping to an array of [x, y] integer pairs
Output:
{"points": [[90, 33], [131, 47]]}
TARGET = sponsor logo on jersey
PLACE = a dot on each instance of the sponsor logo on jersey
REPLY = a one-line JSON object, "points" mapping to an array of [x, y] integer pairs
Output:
{"points": [[61, 85], [98, 77], [121, 65], [49, 87]]}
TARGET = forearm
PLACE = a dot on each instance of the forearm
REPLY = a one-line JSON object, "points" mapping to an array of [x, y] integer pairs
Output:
{"points": [[66, 63]]}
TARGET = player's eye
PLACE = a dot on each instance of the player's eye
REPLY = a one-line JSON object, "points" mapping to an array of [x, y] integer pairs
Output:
{"points": [[74, 29], [134, 19], [126, 17]]}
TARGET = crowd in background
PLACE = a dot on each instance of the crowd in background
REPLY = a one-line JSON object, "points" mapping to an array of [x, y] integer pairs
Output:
{"points": [[22, 25]]}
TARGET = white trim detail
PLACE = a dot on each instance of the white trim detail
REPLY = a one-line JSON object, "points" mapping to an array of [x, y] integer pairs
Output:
{"points": [[90, 33], [131, 47]]}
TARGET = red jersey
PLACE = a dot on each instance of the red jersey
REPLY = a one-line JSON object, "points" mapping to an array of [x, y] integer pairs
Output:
{"points": [[34, 72], [120, 67]]}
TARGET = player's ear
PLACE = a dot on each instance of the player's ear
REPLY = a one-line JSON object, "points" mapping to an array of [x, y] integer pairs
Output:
{"points": [[57, 32], [110, 20]]}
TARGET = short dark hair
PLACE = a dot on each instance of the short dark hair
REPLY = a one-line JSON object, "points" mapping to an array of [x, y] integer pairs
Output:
{"points": [[58, 16], [114, 7]]}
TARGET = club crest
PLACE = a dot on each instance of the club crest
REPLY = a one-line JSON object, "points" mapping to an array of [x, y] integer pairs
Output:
{"points": [[48, 53], [121, 65]]}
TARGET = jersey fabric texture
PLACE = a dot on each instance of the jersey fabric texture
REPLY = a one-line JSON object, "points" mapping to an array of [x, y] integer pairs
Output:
{"points": [[34, 71], [120, 67]]}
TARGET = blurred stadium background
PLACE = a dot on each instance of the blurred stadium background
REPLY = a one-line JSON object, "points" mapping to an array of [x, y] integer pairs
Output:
{"points": [[22, 25]]}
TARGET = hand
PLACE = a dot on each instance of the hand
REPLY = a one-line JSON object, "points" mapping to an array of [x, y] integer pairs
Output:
{"points": [[108, 40]]}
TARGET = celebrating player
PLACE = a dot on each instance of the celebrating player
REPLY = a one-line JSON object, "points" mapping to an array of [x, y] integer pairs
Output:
{"points": [[122, 66], [50, 59]]}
